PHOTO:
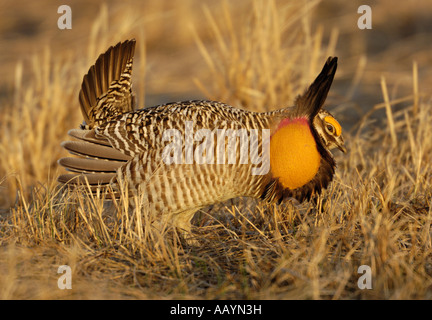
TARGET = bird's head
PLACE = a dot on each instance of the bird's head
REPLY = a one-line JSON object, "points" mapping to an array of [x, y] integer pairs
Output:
{"points": [[329, 130]]}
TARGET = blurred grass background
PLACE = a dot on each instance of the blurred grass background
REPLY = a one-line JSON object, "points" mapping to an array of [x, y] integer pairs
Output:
{"points": [[252, 54]]}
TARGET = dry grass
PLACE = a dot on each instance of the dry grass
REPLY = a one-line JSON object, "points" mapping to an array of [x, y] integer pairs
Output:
{"points": [[255, 54]]}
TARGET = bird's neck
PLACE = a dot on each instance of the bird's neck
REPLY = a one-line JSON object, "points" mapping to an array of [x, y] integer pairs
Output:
{"points": [[294, 157]]}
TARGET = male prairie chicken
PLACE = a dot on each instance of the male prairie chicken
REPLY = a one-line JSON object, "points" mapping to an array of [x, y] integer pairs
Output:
{"points": [[183, 156]]}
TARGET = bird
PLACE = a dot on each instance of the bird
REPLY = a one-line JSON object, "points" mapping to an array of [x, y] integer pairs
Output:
{"points": [[183, 156]]}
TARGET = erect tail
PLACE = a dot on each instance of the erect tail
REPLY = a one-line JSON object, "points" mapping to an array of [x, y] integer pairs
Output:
{"points": [[310, 103], [106, 90]]}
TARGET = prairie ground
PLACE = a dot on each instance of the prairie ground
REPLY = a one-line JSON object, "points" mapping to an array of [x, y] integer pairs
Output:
{"points": [[252, 54]]}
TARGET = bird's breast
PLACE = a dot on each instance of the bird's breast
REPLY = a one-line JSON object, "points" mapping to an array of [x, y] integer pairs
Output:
{"points": [[294, 157]]}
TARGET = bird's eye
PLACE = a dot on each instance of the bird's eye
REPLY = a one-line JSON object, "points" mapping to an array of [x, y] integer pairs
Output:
{"points": [[332, 126]]}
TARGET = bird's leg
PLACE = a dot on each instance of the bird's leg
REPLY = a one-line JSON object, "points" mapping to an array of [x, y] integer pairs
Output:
{"points": [[182, 221]]}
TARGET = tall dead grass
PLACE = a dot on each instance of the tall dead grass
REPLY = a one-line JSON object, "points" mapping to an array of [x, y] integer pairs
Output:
{"points": [[266, 60], [377, 212]]}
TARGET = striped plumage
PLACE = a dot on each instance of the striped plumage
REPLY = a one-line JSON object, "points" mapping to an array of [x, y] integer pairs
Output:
{"points": [[119, 144]]}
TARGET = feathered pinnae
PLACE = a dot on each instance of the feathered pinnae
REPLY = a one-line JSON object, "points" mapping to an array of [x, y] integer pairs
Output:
{"points": [[186, 155]]}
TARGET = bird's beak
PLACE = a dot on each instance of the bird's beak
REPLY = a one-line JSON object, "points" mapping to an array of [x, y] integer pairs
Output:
{"points": [[342, 148], [340, 144]]}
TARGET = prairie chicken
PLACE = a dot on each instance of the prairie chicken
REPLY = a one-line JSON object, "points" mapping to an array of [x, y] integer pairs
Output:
{"points": [[168, 153]]}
